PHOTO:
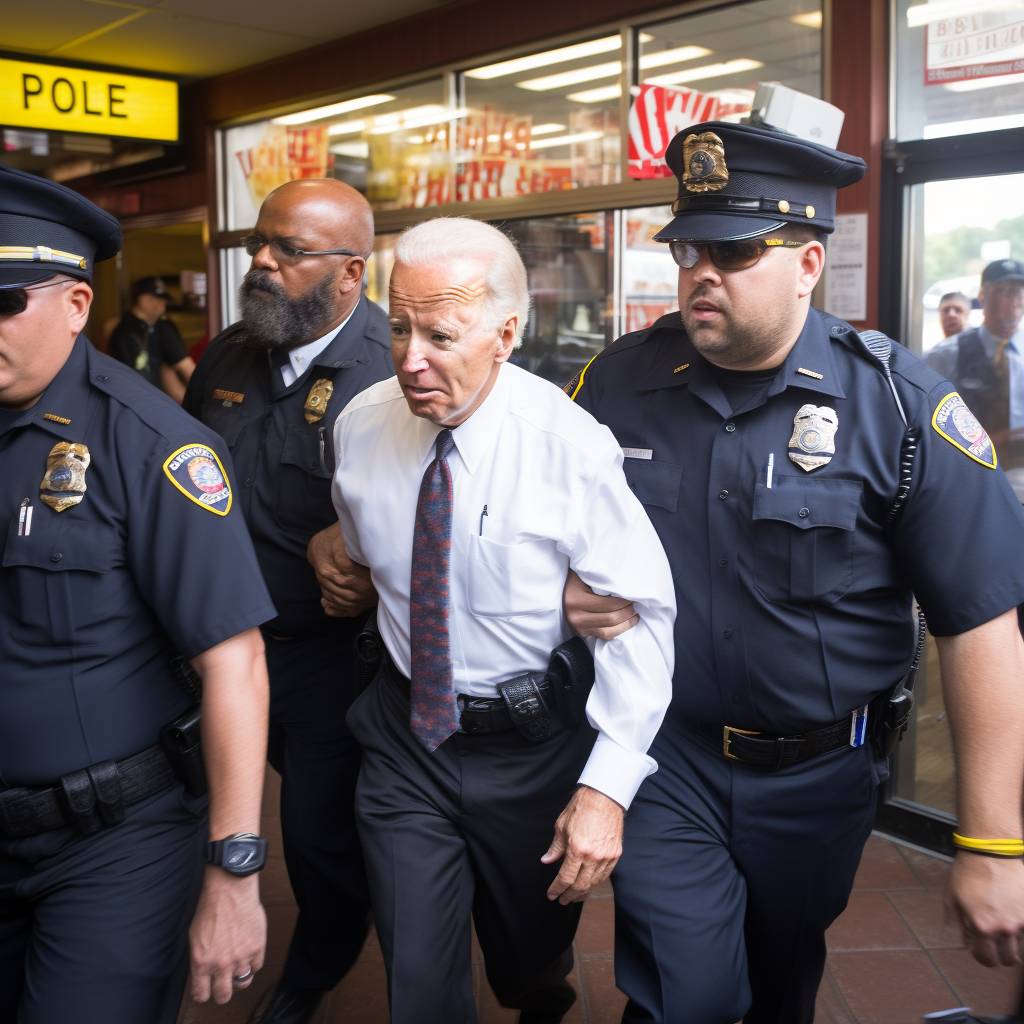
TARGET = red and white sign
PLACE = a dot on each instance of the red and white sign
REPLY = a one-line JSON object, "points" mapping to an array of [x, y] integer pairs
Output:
{"points": [[974, 46], [658, 114]]}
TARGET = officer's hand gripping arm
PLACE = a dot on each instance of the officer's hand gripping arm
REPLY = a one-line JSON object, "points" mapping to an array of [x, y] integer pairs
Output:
{"points": [[229, 931], [346, 585], [590, 614]]}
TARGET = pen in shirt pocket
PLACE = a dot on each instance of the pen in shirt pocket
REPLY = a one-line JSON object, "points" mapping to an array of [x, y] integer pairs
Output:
{"points": [[768, 474], [25, 519], [482, 514]]}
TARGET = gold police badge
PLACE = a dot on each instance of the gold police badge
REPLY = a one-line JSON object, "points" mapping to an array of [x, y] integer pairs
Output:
{"points": [[704, 167], [317, 399], [65, 474], [814, 431]]}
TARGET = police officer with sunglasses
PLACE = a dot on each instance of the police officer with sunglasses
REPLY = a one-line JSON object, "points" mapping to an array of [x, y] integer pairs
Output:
{"points": [[807, 482]]}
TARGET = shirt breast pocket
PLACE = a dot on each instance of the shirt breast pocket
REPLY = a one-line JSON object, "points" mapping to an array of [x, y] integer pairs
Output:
{"points": [[66, 590], [229, 421], [654, 483], [804, 532], [302, 491], [515, 579]]}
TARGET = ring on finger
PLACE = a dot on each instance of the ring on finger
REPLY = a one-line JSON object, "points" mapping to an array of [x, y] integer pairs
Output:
{"points": [[241, 979]]}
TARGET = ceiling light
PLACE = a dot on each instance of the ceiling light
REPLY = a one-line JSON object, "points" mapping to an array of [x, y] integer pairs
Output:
{"points": [[970, 84], [938, 10], [730, 67], [358, 150], [346, 127], [546, 129], [494, 138], [317, 113], [605, 92], [565, 78], [810, 20], [676, 56], [565, 140], [421, 121], [540, 60]]}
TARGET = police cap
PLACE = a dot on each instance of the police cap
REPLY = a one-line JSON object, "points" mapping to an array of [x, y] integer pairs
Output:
{"points": [[150, 286], [1003, 270], [47, 229], [739, 181]]}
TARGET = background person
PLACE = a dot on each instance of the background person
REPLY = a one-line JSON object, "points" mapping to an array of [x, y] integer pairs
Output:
{"points": [[123, 548], [954, 309], [272, 386], [468, 487], [773, 452], [148, 341]]}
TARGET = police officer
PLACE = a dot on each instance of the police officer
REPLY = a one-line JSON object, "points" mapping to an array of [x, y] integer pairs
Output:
{"points": [[272, 386], [122, 551], [147, 340], [764, 439]]}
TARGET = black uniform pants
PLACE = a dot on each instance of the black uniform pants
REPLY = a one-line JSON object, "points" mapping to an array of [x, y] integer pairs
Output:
{"points": [[94, 930], [730, 876], [458, 833], [311, 689]]}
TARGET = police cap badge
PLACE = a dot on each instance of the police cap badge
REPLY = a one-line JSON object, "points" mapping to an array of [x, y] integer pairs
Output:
{"points": [[959, 426], [814, 431], [704, 167], [197, 472], [63, 484]]}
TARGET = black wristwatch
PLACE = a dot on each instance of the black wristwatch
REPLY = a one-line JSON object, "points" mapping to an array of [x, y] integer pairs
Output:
{"points": [[243, 853]]}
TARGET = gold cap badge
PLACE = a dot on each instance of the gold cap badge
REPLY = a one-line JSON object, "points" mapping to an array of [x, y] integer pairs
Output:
{"points": [[317, 399], [65, 473], [704, 167]]}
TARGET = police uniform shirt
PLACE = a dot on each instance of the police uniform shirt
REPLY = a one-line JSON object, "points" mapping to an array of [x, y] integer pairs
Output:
{"points": [[282, 448], [145, 347], [538, 488], [95, 599], [794, 607]]}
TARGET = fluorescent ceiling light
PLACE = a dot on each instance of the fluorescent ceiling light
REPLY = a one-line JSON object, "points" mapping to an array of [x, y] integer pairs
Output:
{"points": [[939, 10], [317, 113], [604, 92], [810, 20], [970, 84], [421, 121], [360, 150], [676, 56], [606, 44], [346, 128], [565, 140], [546, 129], [978, 124], [730, 67], [565, 78]]}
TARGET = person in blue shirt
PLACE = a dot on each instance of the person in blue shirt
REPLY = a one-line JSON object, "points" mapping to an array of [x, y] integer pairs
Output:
{"points": [[807, 483], [124, 552]]}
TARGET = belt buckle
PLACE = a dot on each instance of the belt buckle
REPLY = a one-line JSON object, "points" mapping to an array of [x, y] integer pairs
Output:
{"points": [[726, 729]]}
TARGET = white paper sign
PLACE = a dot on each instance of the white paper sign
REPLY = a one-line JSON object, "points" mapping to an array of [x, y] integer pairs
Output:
{"points": [[846, 268]]}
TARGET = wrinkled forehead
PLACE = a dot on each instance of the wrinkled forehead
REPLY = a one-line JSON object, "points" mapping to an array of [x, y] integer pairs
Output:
{"points": [[456, 288]]}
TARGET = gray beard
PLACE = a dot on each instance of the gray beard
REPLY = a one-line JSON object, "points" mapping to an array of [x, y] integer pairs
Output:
{"points": [[282, 320]]}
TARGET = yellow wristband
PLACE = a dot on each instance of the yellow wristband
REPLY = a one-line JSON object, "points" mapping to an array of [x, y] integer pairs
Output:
{"points": [[992, 847]]}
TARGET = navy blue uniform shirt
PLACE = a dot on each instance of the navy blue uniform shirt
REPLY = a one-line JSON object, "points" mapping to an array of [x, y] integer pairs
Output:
{"points": [[285, 463], [794, 606], [95, 599]]}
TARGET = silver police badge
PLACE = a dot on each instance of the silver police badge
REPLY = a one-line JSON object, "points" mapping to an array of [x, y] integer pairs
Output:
{"points": [[814, 436]]}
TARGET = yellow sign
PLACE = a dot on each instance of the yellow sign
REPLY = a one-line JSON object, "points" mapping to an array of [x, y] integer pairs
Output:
{"points": [[55, 98]]}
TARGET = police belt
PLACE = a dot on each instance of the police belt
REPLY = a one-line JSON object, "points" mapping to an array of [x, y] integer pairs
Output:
{"points": [[90, 798], [766, 750], [479, 714]]}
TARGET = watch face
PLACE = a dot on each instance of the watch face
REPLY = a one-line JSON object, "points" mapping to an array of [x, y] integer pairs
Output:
{"points": [[240, 854]]}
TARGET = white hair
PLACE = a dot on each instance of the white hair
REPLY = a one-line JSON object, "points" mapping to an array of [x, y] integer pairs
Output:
{"points": [[445, 240]]}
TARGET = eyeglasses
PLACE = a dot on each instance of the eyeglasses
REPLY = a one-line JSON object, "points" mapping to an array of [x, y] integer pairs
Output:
{"points": [[285, 253], [15, 300], [728, 256]]}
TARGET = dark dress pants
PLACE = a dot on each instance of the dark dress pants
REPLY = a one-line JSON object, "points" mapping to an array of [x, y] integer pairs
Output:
{"points": [[310, 746], [730, 876], [459, 833], [94, 930]]}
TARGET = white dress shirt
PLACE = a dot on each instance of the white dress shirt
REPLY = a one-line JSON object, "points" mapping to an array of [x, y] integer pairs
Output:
{"points": [[550, 479], [300, 359]]}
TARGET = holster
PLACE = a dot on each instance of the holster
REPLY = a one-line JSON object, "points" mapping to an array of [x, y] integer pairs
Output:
{"points": [[369, 653], [180, 740], [527, 707], [571, 674], [890, 711]]}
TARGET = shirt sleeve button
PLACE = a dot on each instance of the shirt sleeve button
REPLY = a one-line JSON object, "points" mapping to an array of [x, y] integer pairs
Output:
{"points": [[804, 513], [248, 481]]}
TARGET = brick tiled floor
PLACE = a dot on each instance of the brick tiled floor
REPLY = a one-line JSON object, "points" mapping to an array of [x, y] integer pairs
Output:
{"points": [[892, 955]]}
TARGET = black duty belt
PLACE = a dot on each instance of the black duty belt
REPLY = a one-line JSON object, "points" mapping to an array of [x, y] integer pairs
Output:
{"points": [[476, 714], [90, 798], [773, 752]]}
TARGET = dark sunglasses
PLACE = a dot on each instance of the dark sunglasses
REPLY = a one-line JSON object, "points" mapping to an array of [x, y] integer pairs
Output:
{"points": [[283, 252], [728, 256], [15, 300]]}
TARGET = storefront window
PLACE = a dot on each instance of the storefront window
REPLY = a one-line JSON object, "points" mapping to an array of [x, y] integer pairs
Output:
{"points": [[649, 274], [959, 67], [541, 123], [705, 67], [392, 146]]}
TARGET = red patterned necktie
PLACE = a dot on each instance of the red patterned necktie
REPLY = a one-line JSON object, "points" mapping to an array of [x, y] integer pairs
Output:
{"points": [[434, 714]]}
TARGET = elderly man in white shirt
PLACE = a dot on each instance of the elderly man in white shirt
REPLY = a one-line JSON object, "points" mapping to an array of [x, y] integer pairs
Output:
{"points": [[469, 488]]}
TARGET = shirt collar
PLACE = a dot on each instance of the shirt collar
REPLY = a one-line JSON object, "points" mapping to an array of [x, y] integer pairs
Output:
{"points": [[62, 407], [991, 341], [304, 356], [810, 364], [474, 437]]}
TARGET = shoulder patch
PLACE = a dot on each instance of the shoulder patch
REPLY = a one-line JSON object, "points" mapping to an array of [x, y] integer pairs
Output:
{"points": [[958, 425], [197, 472], [572, 389]]}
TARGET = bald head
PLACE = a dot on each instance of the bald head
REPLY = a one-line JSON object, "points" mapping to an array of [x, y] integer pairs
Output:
{"points": [[339, 214]]}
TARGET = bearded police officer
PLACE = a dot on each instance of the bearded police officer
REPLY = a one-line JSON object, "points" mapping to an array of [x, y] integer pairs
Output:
{"points": [[272, 386], [806, 482], [123, 551]]}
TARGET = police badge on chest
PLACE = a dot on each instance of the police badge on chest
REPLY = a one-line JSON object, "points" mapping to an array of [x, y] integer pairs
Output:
{"points": [[814, 436]]}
